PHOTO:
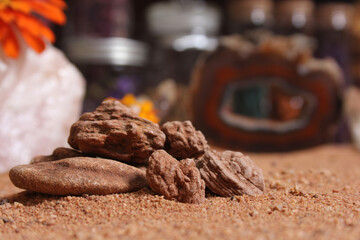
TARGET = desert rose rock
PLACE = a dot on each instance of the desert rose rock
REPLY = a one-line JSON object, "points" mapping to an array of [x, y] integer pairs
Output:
{"points": [[175, 179], [58, 153], [114, 131], [230, 173], [183, 140], [79, 175]]}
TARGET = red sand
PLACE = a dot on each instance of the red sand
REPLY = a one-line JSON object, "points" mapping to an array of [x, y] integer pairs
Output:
{"points": [[311, 194]]}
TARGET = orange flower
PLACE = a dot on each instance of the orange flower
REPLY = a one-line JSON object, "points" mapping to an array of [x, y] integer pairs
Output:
{"points": [[141, 106], [19, 17]]}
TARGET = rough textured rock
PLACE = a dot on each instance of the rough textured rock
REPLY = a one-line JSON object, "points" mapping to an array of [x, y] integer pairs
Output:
{"points": [[175, 179], [230, 173], [114, 131], [58, 153], [81, 175], [183, 141]]}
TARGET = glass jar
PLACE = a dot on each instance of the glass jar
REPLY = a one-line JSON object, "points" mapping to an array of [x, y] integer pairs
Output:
{"points": [[180, 31], [112, 67]]}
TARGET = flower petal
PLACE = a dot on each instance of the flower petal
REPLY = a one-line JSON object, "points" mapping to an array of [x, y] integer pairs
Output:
{"points": [[22, 6], [59, 3], [7, 15], [34, 42], [47, 33], [49, 11], [34, 26], [20, 15], [8, 41]]}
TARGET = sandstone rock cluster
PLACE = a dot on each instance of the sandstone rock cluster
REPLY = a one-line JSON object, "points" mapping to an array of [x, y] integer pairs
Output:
{"points": [[111, 148], [116, 132]]}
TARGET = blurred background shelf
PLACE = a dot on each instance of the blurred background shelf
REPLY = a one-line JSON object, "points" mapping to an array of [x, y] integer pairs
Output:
{"points": [[153, 49]]}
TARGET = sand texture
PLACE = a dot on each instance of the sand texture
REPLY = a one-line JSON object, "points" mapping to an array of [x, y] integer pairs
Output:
{"points": [[311, 194]]}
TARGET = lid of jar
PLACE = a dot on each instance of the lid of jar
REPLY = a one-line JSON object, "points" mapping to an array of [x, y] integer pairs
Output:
{"points": [[113, 51], [337, 16], [256, 11], [194, 41], [181, 17]]}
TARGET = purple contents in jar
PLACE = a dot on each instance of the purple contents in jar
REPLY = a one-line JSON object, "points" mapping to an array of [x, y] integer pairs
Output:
{"points": [[102, 18]]}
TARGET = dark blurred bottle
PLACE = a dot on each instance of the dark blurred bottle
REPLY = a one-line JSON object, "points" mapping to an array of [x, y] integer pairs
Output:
{"points": [[352, 95], [101, 18], [294, 16], [248, 15], [98, 40], [355, 46], [333, 34]]}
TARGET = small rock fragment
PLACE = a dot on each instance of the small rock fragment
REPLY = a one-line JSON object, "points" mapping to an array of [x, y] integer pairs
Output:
{"points": [[175, 179], [115, 131], [79, 175], [296, 191], [6, 220], [58, 153], [3, 201], [278, 207], [183, 141], [253, 213], [277, 185], [230, 173]]}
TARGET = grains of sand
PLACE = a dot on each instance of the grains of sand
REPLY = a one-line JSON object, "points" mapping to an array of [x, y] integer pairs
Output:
{"points": [[311, 194]]}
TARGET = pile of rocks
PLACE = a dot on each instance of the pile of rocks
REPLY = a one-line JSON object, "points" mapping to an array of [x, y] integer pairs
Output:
{"points": [[115, 151]]}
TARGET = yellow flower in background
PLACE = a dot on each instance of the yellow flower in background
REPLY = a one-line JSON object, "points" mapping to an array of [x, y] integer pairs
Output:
{"points": [[128, 100], [142, 107], [147, 111], [18, 18]]}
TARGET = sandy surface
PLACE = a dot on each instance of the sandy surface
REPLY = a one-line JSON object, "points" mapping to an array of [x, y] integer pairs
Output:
{"points": [[311, 194]]}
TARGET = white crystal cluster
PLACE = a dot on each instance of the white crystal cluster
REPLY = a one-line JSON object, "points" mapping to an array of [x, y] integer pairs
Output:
{"points": [[40, 97]]}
